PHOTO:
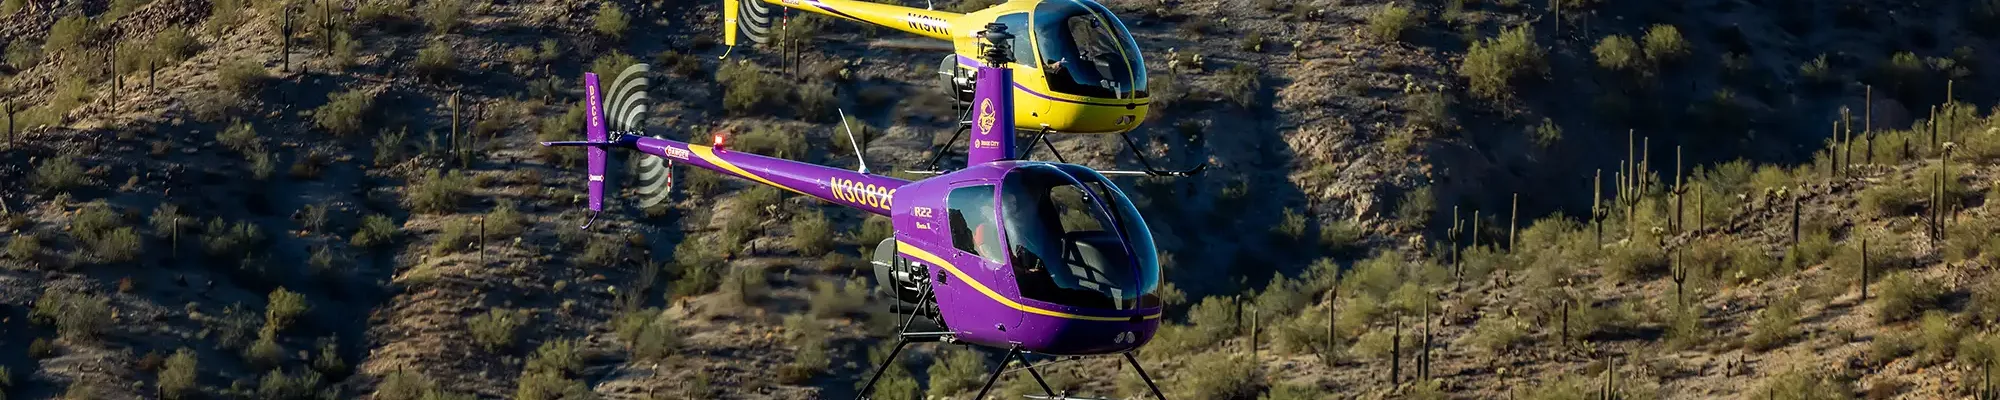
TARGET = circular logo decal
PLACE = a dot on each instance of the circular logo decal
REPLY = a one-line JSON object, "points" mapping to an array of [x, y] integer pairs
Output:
{"points": [[986, 117]]}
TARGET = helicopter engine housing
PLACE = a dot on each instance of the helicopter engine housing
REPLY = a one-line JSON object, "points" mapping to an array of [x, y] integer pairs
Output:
{"points": [[957, 82], [900, 280]]}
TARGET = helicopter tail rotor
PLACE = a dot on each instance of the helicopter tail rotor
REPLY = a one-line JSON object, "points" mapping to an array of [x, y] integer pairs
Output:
{"points": [[750, 19], [628, 106]]}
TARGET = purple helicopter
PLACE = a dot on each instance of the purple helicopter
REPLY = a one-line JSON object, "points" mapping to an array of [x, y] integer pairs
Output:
{"points": [[1038, 258]]}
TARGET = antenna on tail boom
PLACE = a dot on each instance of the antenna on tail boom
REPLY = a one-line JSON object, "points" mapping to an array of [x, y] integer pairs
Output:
{"points": [[853, 142]]}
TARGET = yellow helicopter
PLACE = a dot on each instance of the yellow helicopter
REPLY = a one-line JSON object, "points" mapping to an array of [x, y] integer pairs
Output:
{"points": [[1076, 70]]}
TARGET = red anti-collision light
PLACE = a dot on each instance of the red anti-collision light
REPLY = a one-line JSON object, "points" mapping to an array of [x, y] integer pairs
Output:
{"points": [[718, 141]]}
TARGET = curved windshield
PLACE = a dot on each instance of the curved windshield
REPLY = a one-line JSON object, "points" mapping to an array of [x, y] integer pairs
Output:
{"points": [[1074, 239], [1086, 51]]}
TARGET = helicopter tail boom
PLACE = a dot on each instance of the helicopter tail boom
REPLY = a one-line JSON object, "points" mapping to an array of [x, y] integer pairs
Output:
{"points": [[755, 19]]}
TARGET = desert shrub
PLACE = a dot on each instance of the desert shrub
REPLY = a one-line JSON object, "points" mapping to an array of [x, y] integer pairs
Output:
{"points": [[21, 54], [265, 353], [1891, 198], [1431, 110], [58, 174], [1496, 335], [809, 337], [1684, 327], [958, 370], [262, 164], [178, 380], [602, 253], [1415, 207], [1229, 377], [770, 140], [241, 137], [277, 385], [816, 102], [746, 88], [1775, 325], [436, 60], [834, 299], [497, 328], [1562, 388], [1282, 296], [608, 66], [284, 308], [174, 44], [1291, 226], [442, 15], [40, 348], [1341, 237], [697, 269], [76, 316], [402, 384], [812, 233], [376, 230], [1634, 260], [437, 192], [611, 21], [1617, 52], [1937, 337], [550, 386], [1902, 295], [68, 34], [24, 247], [345, 113], [1664, 44], [558, 356], [656, 339], [242, 77], [1305, 333], [1391, 22], [1241, 85], [1493, 64], [1985, 302], [118, 245], [9, 7], [1796, 384]]}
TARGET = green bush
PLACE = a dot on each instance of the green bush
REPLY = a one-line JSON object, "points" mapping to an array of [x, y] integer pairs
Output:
{"points": [[58, 174], [1431, 111], [1796, 384], [1414, 210], [442, 15], [816, 102], [1227, 377], [241, 137], [242, 77], [345, 52], [1341, 237], [1938, 337], [1561, 388], [227, 241], [1775, 325], [179, 379], [118, 246], [76, 316], [1635, 260], [1493, 64], [812, 233], [173, 45], [1495, 335], [68, 34], [1241, 85], [437, 59], [771, 140], [1291, 227], [9, 7], [284, 308], [809, 337], [437, 192], [656, 339], [611, 64], [873, 230], [1391, 22], [611, 21], [376, 230], [698, 269], [548, 374], [497, 328], [265, 353], [276, 385], [1684, 327], [1213, 319], [835, 299], [957, 371], [1617, 53], [1892, 198], [23, 54], [1304, 334], [1902, 295], [1664, 44], [602, 253], [746, 88], [24, 247]]}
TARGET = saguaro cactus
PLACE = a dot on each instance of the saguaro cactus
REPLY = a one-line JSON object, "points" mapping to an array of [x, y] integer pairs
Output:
{"points": [[1680, 271]]}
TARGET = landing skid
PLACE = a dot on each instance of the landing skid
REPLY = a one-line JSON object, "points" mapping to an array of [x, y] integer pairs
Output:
{"points": [[1042, 137], [905, 336]]}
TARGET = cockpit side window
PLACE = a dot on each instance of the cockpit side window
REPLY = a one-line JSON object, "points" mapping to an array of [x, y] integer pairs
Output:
{"points": [[973, 226], [1024, 49], [1086, 51]]}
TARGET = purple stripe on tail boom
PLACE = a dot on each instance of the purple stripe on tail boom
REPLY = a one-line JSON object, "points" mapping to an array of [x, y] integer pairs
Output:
{"points": [[594, 102]]}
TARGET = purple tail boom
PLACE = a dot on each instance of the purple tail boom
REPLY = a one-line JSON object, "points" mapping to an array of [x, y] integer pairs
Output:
{"points": [[596, 132]]}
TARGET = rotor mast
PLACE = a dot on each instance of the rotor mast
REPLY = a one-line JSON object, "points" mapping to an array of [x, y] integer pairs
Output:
{"points": [[993, 100]]}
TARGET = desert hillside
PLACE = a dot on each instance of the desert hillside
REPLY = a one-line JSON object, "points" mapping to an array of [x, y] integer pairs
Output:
{"points": [[295, 199]]}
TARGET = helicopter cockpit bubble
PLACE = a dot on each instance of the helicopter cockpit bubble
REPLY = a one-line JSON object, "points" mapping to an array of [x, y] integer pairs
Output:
{"points": [[1074, 239], [1086, 51]]}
